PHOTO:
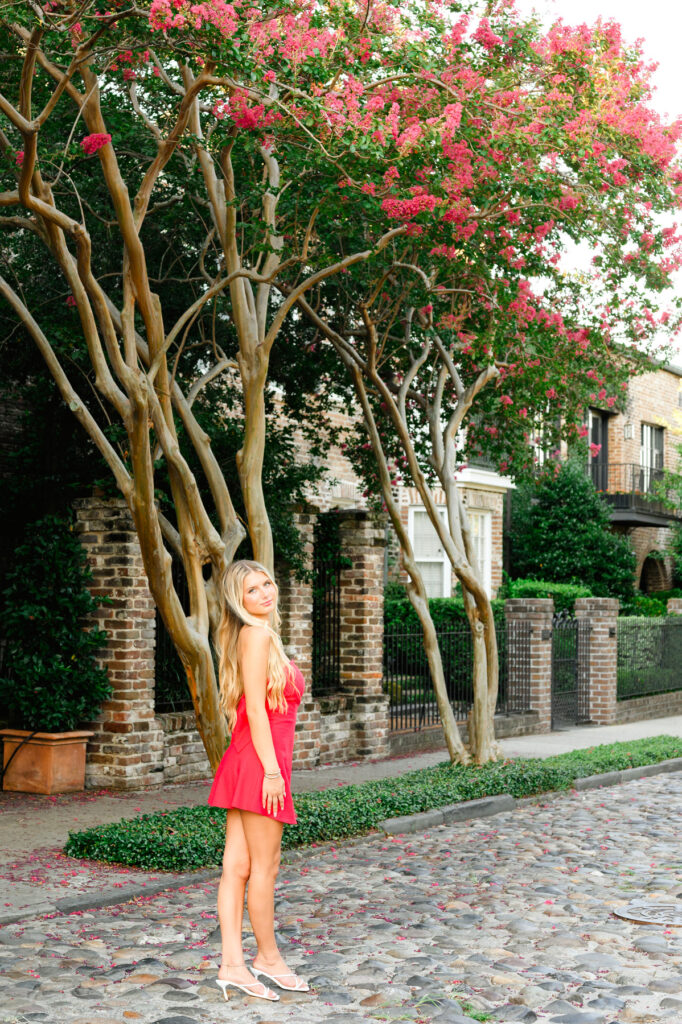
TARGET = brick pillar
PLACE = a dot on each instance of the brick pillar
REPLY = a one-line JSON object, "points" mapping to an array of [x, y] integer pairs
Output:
{"points": [[126, 751], [296, 611], [363, 539], [537, 611], [602, 615]]}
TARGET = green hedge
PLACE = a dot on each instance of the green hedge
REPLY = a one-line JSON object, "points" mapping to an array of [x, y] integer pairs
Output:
{"points": [[643, 605], [193, 837], [563, 594], [446, 612]]}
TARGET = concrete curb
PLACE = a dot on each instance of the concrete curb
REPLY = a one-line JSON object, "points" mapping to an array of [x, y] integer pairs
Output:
{"points": [[490, 805], [468, 810]]}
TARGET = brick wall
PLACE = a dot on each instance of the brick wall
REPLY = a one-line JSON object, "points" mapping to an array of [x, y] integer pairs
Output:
{"points": [[602, 614], [126, 751], [184, 756], [651, 398], [539, 612], [656, 705]]}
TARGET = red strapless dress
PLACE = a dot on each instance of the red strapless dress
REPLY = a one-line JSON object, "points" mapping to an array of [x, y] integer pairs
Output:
{"points": [[239, 779]]}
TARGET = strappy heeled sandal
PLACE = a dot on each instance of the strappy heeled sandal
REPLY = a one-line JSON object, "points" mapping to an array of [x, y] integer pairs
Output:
{"points": [[300, 986]]}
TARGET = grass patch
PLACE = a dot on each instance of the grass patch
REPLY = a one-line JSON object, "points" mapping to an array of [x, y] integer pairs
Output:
{"points": [[193, 837]]}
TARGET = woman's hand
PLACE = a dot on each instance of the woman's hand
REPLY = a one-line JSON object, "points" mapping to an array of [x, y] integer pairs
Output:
{"points": [[273, 795]]}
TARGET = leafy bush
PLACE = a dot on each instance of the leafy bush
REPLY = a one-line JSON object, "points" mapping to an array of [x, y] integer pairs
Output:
{"points": [[193, 837], [563, 594], [561, 532], [643, 605], [446, 612], [52, 681]]}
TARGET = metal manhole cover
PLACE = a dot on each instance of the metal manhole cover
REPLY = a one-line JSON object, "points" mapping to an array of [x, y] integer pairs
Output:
{"points": [[652, 912]]}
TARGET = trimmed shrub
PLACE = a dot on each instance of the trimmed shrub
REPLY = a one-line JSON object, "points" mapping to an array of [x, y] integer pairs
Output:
{"points": [[446, 612], [194, 837], [644, 606], [561, 531], [564, 595]]}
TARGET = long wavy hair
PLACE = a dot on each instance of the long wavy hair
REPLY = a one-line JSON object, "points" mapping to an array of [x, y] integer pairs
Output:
{"points": [[232, 617]]}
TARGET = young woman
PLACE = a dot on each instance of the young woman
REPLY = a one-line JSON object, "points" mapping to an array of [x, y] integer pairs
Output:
{"points": [[260, 690]]}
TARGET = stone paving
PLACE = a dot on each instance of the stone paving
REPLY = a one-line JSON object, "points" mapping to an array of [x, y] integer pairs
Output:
{"points": [[511, 917]]}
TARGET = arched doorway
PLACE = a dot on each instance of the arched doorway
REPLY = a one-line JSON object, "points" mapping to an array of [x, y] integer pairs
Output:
{"points": [[653, 576]]}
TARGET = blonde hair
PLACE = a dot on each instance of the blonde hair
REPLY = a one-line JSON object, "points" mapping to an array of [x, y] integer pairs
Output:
{"points": [[233, 616]]}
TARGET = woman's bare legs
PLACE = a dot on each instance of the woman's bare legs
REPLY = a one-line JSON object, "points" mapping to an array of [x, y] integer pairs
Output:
{"points": [[236, 871], [263, 837]]}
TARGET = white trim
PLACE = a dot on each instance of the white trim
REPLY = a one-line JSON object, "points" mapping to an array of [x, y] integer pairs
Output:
{"points": [[443, 560], [485, 536], [486, 478]]}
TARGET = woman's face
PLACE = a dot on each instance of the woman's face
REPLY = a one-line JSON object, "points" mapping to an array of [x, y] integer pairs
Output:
{"points": [[259, 595]]}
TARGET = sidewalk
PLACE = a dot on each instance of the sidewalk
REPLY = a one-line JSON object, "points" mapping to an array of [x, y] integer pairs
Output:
{"points": [[36, 878]]}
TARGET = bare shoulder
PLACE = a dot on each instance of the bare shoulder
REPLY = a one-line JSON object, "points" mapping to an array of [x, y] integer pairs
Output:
{"points": [[253, 640]]}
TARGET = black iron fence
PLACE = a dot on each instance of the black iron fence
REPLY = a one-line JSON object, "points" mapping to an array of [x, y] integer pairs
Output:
{"points": [[328, 562], [171, 692], [407, 679], [649, 656]]}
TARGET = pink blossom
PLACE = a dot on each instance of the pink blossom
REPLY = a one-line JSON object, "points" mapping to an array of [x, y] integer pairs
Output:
{"points": [[19, 158], [91, 143], [594, 450], [485, 35], [552, 393], [583, 431], [505, 400]]}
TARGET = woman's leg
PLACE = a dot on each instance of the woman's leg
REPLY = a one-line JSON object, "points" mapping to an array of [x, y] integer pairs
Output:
{"points": [[264, 840], [236, 870]]}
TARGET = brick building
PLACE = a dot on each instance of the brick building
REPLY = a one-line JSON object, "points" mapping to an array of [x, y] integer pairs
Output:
{"points": [[638, 446]]}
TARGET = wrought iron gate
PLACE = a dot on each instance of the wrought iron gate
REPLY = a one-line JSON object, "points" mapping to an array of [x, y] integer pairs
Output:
{"points": [[328, 562], [570, 671]]}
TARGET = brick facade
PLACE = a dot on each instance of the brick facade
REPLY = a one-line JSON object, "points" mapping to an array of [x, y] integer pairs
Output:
{"points": [[652, 398]]}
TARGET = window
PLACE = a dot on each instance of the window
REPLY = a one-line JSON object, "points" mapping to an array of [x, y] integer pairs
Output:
{"points": [[598, 434], [428, 552], [651, 455], [481, 529]]}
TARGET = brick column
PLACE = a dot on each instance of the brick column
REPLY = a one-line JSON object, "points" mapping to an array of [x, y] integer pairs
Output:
{"points": [[296, 611], [602, 614], [363, 539], [537, 611], [126, 751]]}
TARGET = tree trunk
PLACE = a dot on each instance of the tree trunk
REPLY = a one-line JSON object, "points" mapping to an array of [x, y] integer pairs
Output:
{"points": [[453, 739]]}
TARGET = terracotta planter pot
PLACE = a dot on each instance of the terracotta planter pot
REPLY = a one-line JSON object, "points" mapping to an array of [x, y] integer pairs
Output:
{"points": [[50, 762]]}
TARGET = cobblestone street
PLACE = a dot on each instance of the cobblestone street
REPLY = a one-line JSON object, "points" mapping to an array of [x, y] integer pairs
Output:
{"points": [[511, 917]]}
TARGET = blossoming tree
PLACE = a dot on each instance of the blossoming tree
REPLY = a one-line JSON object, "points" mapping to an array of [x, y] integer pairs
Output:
{"points": [[470, 336], [406, 178]]}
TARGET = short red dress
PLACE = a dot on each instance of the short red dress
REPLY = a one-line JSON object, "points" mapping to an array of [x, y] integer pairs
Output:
{"points": [[239, 779]]}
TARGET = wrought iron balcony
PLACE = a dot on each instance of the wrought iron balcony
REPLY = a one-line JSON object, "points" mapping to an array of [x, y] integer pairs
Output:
{"points": [[636, 494]]}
